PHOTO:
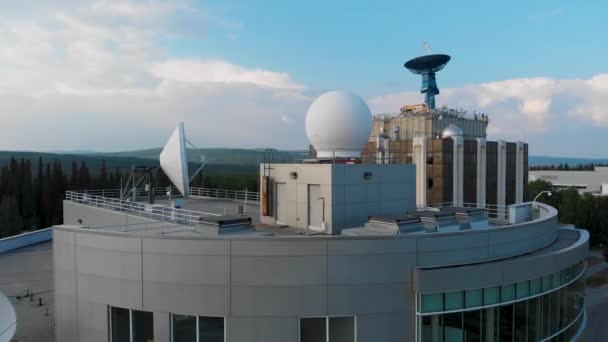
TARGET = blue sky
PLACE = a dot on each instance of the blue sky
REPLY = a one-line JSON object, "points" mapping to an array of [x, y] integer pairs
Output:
{"points": [[363, 44], [119, 75]]}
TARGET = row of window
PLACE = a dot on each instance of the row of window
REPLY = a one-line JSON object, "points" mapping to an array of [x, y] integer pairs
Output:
{"points": [[555, 316], [127, 325], [436, 302]]}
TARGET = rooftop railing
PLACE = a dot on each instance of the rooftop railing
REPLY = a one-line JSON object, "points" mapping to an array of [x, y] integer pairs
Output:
{"points": [[496, 213], [162, 213]]}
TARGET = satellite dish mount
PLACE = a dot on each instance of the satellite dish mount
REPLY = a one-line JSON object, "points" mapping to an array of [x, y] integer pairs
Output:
{"points": [[174, 160]]}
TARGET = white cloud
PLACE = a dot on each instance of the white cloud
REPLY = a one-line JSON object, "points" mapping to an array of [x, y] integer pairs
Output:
{"points": [[91, 75], [218, 71]]}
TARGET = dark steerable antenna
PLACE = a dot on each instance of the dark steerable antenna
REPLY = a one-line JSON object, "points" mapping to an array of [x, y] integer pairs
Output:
{"points": [[427, 66]]}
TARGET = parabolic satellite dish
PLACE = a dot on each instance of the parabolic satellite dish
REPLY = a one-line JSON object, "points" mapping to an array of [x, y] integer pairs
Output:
{"points": [[174, 160], [8, 319]]}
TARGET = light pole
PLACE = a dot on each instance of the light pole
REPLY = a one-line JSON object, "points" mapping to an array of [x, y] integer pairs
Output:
{"points": [[540, 194]]}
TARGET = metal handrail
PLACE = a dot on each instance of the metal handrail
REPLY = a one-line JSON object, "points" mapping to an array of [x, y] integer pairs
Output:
{"points": [[498, 213], [157, 212], [238, 195]]}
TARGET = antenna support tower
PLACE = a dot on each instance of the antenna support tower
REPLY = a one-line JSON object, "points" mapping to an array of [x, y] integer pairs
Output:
{"points": [[140, 175], [427, 66]]}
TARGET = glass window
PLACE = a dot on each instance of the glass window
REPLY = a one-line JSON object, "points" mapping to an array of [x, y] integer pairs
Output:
{"points": [[490, 295], [120, 323], [184, 328], [313, 329], [432, 302], [452, 327], [535, 286], [211, 329], [547, 283], [473, 298], [341, 329], [534, 319], [472, 325], [143, 326], [507, 292], [556, 280], [453, 300], [506, 323], [546, 317], [523, 289], [521, 321]]}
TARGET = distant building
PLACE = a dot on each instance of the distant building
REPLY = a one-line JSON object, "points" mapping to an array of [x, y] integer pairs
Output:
{"points": [[594, 182]]}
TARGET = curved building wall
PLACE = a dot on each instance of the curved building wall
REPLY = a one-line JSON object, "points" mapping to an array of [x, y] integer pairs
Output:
{"points": [[263, 286]]}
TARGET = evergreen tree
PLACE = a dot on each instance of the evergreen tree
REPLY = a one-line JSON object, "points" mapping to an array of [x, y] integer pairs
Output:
{"points": [[10, 220]]}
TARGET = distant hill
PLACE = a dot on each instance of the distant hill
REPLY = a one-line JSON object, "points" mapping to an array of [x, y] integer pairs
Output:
{"points": [[570, 161], [225, 156], [93, 162]]}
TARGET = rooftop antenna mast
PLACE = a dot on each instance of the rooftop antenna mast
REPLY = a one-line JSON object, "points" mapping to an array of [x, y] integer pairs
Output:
{"points": [[427, 66]]}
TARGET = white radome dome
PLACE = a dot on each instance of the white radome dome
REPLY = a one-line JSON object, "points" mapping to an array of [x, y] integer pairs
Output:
{"points": [[338, 124], [451, 131]]}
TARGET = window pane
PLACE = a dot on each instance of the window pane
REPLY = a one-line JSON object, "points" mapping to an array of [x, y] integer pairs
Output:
{"points": [[506, 323], [312, 329], [535, 286], [453, 300], [473, 298], [143, 326], [546, 283], [523, 289], [555, 280], [184, 328], [546, 299], [211, 329], [521, 321], [490, 295], [452, 327], [120, 325], [507, 292], [432, 302], [472, 325], [534, 311], [342, 329]]}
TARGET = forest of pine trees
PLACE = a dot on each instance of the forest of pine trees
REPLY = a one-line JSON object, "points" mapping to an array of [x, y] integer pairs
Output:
{"points": [[31, 196]]}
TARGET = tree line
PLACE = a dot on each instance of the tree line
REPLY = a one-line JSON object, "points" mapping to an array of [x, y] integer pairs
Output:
{"points": [[583, 211], [34, 201]]}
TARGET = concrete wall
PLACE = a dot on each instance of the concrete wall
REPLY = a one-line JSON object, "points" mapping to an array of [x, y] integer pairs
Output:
{"points": [[349, 198], [262, 285]]}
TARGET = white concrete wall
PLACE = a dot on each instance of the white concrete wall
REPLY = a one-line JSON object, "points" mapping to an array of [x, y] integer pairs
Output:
{"points": [[349, 198]]}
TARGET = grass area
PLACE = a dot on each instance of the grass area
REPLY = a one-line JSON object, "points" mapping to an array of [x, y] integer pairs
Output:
{"points": [[594, 260], [598, 279]]}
